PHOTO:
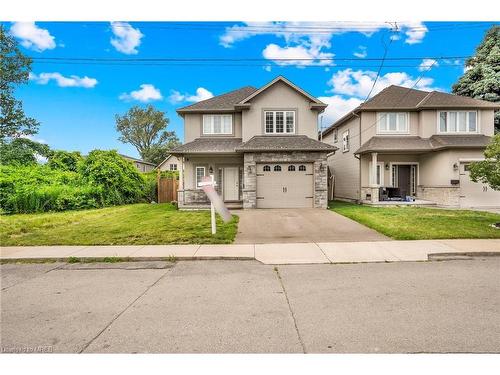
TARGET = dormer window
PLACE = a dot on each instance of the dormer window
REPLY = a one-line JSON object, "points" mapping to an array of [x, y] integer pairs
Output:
{"points": [[279, 122], [458, 122], [392, 122], [217, 124]]}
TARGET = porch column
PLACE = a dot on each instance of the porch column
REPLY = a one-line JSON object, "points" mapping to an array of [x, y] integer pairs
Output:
{"points": [[373, 182]]}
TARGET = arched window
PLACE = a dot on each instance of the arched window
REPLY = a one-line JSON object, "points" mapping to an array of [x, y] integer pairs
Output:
{"points": [[302, 168], [266, 168], [291, 168], [277, 168]]}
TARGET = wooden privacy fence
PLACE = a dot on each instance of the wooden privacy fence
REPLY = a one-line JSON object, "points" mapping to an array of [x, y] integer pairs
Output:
{"points": [[167, 189]]}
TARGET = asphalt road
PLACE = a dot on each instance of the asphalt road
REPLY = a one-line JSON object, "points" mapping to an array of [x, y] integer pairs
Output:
{"points": [[247, 307]]}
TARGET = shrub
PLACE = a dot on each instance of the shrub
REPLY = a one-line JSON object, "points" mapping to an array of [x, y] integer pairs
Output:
{"points": [[119, 179], [64, 160]]}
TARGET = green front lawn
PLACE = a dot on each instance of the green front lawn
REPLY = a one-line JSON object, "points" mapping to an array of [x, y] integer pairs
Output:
{"points": [[136, 224], [419, 223]]}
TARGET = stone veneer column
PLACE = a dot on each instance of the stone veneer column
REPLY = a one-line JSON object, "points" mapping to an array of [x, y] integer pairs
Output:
{"points": [[249, 181]]}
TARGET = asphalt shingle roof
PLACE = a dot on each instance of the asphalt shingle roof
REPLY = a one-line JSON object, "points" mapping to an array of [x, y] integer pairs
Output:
{"points": [[224, 102], [413, 144], [284, 143], [208, 145]]}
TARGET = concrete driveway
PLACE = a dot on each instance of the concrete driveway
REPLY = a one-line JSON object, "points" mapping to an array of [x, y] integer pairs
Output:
{"points": [[300, 225]]}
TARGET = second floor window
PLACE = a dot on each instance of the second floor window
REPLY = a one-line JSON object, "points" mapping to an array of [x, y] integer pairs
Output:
{"points": [[458, 122], [279, 122], [393, 122], [217, 124], [345, 141], [335, 135]]}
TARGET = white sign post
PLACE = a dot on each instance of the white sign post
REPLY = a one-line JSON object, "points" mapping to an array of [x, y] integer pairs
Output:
{"points": [[216, 203]]}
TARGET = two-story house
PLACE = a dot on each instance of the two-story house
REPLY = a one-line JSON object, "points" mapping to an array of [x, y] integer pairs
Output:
{"points": [[405, 142], [260, 146]]}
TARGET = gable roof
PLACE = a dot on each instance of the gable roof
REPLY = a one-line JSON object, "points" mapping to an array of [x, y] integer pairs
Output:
{"points": [[317, 102], [136, 160], [224, 102], [240, 98], [402, 98]]}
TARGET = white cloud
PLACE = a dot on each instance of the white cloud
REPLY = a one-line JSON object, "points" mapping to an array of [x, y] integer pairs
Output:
{"points": [[62, 81], [338, 106], [126, 39], [310, 39], [32, 36], [267, 68], [427, 64], [146, 93], [361, 52], [415, 32], [201, 94], [358, 83]]}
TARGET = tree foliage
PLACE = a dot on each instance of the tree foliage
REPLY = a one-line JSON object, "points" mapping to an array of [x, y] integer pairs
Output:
{"points": [[146, 130], [14, 71], [65, 160], [481, 79], [22, 151], [488, 170]]}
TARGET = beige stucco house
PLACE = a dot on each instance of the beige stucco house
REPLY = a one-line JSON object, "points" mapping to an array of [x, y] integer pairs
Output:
{"points": [[170, 163], [259, 144], [405, 142]]}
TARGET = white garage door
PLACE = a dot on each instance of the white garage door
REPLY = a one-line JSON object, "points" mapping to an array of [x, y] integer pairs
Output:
{"points": [[476, 194], [283, 185]]}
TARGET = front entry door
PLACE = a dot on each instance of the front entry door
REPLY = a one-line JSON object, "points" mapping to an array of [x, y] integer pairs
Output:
{"points": [[231, 184], [404, 181]]}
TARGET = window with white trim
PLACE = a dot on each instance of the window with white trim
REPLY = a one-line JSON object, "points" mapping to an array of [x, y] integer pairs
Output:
{"points": [[345, 141], [217, 124], [200, 173], [457, 122], [392, 122], [380, 173], [279, 122], [173, 167]]}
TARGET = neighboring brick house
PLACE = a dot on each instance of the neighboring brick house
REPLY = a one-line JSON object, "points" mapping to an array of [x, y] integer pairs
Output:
{"points": [[415, 142], [260, 146]]}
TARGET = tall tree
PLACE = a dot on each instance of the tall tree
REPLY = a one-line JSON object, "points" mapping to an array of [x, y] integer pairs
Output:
{"points": [[488, 171], [481, 79], [146, 130], [14, 71]]}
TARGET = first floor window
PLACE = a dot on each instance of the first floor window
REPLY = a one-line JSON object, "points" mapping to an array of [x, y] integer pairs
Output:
{"points": [[200, 173], [173, 167], [458, 122], [393, 122], [279, 122], [217, 124], [345, 141], [379, 178]]}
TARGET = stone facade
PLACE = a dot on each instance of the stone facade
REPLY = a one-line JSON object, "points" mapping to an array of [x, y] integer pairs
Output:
{"points": [[190, 197], [442, 195], [319, 166]]}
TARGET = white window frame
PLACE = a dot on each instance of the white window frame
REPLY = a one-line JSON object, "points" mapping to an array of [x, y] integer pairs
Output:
{"points": [[380, 165], [346, 141], [172, 167], [211, 124], [285, 111], [196, 175], [466, 122], [384, 118]]}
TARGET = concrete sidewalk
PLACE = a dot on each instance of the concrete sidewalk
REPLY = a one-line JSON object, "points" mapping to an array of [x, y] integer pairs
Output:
{"points": [[289, 253]]}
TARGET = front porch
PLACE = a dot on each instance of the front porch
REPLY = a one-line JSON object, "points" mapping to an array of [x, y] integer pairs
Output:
{"points": [[395, 203]]}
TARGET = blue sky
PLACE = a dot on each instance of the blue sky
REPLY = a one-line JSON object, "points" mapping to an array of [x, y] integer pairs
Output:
{"points": [[76, 101]]}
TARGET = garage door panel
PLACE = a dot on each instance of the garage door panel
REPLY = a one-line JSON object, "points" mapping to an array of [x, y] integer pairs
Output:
{"points": [[476, 194], [283, 185]]}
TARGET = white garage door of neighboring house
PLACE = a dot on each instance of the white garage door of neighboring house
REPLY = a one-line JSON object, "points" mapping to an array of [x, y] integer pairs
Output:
{"points": [[476, 194], [284, 185]]}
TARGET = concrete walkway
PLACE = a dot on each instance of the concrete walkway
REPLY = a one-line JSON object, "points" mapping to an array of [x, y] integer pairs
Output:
{"points": [[286, 253], [299, 226]]}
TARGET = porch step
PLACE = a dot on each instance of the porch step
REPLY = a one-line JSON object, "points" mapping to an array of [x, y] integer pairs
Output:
{"points": [[418, 202]]}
